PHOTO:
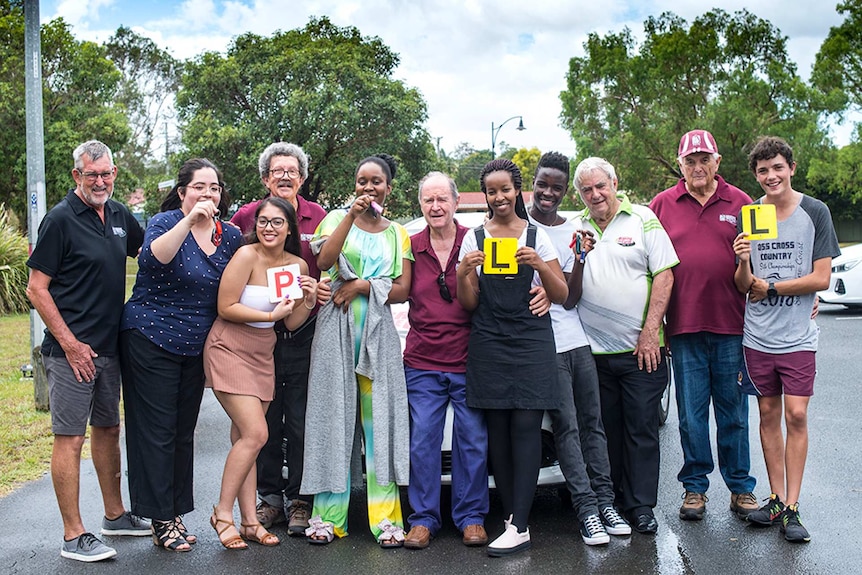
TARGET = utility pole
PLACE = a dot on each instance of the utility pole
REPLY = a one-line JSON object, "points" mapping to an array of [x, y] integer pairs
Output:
{"points": [[35, 175], [167, 151]]}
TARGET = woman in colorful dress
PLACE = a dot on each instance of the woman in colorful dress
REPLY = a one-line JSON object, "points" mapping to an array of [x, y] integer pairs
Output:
{"points": [[356, 344]]}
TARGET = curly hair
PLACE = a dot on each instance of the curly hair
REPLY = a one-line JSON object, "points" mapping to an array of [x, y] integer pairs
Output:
{"points": [[556, 161], [767, 148]]}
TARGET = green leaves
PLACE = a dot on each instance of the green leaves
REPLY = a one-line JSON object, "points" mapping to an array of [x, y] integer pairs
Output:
{"points": [[325, 88], [79, 86], [729, 74]]}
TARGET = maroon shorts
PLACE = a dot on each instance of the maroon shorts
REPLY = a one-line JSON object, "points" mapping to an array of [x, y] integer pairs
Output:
{"points": [[770, 375]]}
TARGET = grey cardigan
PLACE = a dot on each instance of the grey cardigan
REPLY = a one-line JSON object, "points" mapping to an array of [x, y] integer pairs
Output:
{"points": [[331, 412]]}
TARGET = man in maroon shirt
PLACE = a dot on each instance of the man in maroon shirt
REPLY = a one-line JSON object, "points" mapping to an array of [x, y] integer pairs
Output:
{"points": [[704, 320], [283, 169], [435, 361]]}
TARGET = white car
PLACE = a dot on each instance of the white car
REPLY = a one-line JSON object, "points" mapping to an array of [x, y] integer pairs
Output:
{"points": [[845, 285]]}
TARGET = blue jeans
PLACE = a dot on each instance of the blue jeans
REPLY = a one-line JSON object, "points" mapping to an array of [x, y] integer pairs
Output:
{"points": [[706, 366], [428, 394]]}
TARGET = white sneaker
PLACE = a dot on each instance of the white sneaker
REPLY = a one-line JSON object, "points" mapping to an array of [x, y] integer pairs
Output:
{"points": [[509, 542]]}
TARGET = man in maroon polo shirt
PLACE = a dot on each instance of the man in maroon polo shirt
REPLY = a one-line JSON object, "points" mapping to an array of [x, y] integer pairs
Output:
{"points": [[435, 361], [283, 169], [704, 320]]}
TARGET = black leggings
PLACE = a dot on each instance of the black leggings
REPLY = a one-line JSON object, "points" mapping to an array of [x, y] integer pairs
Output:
{"points": [[515, 452]]}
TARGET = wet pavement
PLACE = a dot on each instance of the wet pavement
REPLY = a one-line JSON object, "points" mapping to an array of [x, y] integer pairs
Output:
{"points": [[720, 544]]}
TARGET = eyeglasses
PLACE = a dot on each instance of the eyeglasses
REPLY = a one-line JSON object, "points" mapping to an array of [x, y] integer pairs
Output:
{"points": [[279, 173], [276, 223], [91, 177], [203, 188], [444, 289]]}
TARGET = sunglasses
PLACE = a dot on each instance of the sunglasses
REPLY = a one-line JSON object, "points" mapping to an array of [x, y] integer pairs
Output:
{"points": [[444, 289]]}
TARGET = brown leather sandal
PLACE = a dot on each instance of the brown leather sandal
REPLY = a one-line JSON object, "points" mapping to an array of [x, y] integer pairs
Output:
{"points": [[233, 542], [268, 539]]}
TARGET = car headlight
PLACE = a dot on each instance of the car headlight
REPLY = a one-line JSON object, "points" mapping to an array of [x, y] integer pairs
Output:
{"points": [[846, 266]]}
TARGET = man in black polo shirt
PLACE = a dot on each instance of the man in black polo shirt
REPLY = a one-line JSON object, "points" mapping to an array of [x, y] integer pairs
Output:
{"points": [[77, 284]]}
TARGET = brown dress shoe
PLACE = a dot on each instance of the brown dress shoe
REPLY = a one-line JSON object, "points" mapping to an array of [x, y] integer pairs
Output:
{"points": [[474, 535], [419, 537]]}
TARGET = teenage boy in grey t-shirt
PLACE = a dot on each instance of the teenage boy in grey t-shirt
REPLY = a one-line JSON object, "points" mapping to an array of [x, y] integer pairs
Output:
{"points": [[781, 277]]}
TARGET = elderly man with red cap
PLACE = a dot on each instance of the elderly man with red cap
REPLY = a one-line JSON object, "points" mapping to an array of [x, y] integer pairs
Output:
{"points": [[704, 321]]}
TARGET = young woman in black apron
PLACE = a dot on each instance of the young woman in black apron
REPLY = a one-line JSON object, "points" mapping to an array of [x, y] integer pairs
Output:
{"points": [[511, 364]]}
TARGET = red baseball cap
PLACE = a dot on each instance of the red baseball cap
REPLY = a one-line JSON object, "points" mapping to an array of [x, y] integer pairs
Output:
{"points": [[697, 141]]}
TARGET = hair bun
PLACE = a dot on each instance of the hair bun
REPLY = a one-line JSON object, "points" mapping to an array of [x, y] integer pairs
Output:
{"points": [[390, 161]]}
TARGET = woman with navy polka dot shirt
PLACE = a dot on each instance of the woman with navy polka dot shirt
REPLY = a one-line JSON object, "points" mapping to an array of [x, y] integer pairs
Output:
{"points": [[164, 327]]}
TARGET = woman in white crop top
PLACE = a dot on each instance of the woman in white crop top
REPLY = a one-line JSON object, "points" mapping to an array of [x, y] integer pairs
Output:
{"points": [[238, 359]]}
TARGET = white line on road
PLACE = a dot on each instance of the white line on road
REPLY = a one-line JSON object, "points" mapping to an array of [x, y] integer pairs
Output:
{"points": [[843, 318]]}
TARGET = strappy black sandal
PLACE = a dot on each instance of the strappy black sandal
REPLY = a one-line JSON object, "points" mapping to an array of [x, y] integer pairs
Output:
{"points": [[167, 535], [189, 537]]}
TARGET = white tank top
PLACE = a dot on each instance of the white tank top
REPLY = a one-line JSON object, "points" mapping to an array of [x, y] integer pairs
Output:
{"points": [[257, 297]]}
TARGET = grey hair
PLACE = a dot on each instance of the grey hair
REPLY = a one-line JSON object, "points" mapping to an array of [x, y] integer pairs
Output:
{"points": [[452, 186], [591, 164], [94, 149], [282, 149], [680, 159]]}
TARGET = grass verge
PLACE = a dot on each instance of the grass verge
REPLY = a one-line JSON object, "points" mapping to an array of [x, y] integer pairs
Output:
{"points": [[25, 434]]}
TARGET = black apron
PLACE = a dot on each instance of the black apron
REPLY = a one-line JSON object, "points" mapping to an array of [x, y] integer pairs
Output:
{"points": [[512, 361]]}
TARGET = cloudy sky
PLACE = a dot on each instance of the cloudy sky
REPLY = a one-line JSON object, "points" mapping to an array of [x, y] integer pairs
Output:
{"points": [[475, 61]]}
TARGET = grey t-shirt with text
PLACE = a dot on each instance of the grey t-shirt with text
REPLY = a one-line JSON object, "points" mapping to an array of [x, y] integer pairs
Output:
{"points": [[783, 324]]}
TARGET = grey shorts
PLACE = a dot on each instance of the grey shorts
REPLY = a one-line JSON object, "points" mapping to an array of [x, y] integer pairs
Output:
{"points": [[73, 402]]}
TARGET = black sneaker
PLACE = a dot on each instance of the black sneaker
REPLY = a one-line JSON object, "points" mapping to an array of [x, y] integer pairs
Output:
{"points": [[769, 514], [593, 532], [791, 525], [613, 522]]}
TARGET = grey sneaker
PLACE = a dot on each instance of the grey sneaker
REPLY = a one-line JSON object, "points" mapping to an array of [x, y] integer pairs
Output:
{"points": [[769, 514], [126, 524], [87, 548], [269, 515], [613, 522], [297, 518]]}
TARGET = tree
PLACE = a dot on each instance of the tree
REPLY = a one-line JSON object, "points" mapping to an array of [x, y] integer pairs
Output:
{"points": [[150, 81], [838, 65], [325, 88], [837, 177], [527, 161], [729, 74], [469, 163], [79, 85]]}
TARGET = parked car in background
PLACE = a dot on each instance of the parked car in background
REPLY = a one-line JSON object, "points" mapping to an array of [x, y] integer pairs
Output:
{"points": [[845, 285], [549, 473]]}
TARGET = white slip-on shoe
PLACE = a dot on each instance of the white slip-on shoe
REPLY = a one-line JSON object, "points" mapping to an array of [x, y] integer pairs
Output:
{"points": [[509, 542]]}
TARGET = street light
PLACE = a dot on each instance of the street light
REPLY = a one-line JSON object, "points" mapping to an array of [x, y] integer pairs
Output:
{"points": [[495, 131]]}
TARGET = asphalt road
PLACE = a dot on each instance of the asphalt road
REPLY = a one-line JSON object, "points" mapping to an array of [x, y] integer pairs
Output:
{"points": [[721, 544]]}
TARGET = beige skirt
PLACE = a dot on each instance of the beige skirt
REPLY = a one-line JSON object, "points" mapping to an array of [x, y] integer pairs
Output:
{"points": [[238, 359]]}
